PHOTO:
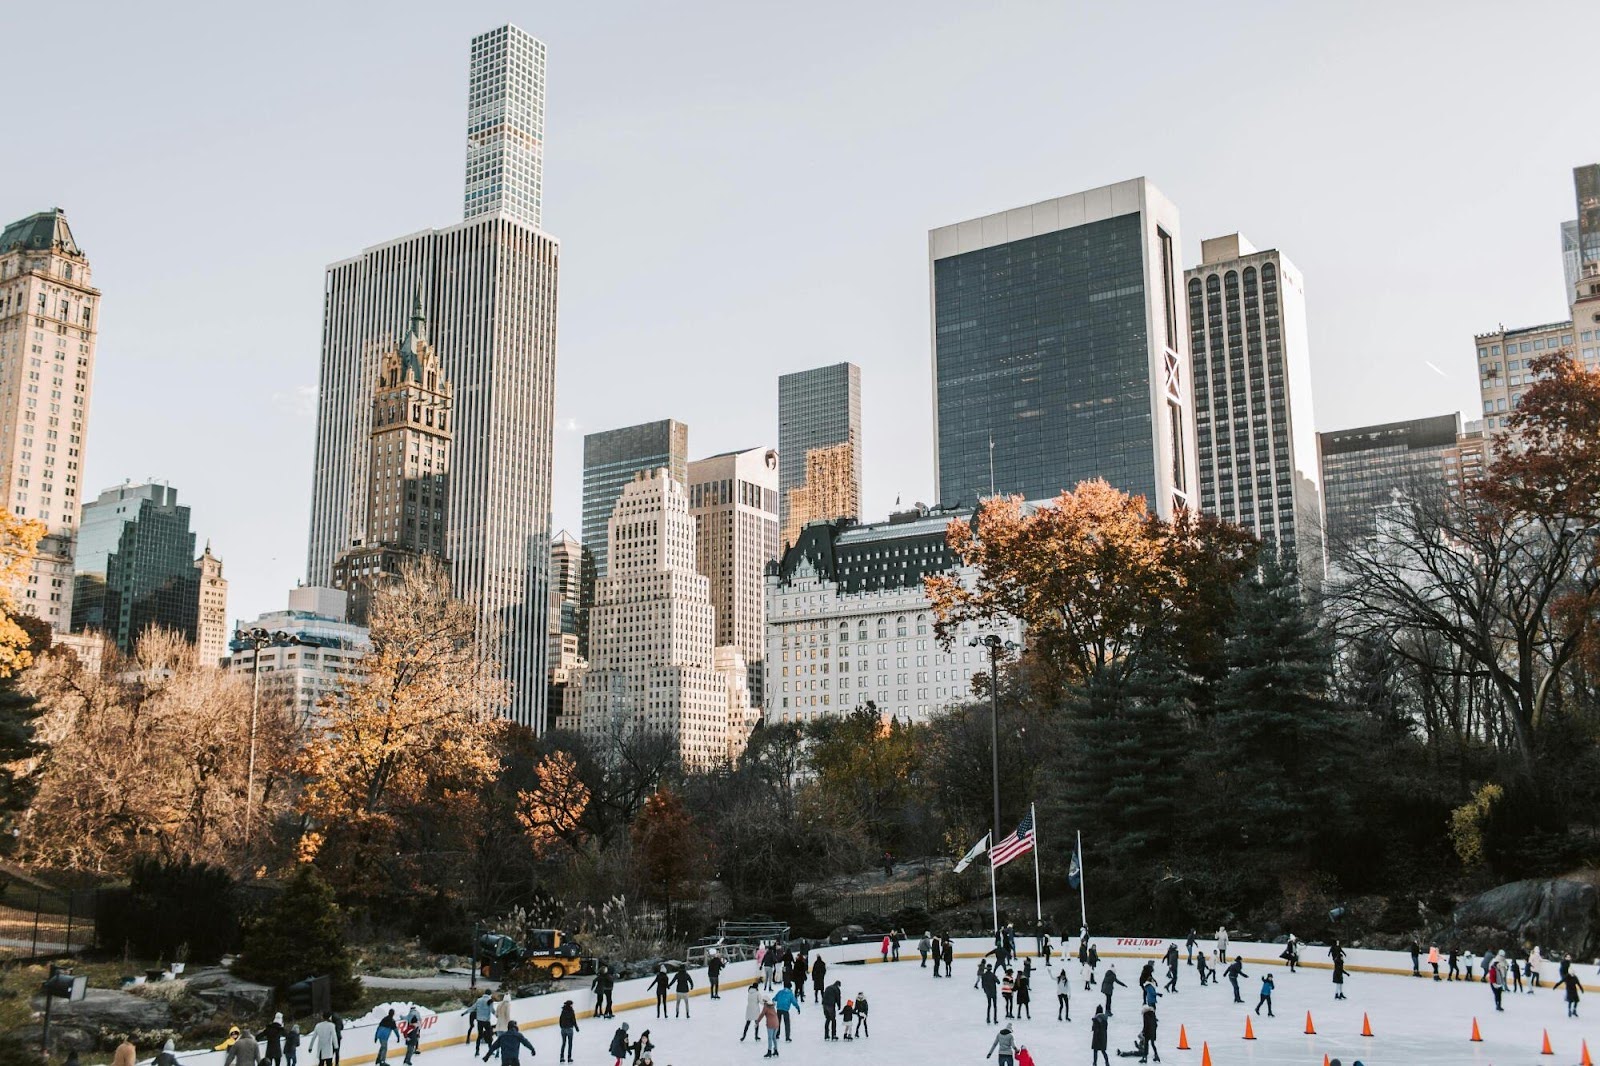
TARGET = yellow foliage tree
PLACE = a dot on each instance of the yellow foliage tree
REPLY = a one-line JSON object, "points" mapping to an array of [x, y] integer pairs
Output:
{"points": [[394, 772], [551, 810], [18, 538]]}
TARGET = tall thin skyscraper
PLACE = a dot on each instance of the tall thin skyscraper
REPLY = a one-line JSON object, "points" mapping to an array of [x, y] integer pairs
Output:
{"points": [[819, 446], [733, 499], [611, 458], [211, 624], [1060, 349], [505, 126], [49, 318], [1252, 400], [489, 295]]}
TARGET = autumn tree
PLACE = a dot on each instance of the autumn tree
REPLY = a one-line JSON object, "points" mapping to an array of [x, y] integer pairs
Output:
{"points": [[551, 811], [1095, 576], [394, 772], [18, 539], [669, 851], [148, 757]]}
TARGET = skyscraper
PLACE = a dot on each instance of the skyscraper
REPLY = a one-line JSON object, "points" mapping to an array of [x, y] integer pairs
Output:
{"points": [[1254, 435], [1060, 349], [819, 446], [211, 620], [654, 665], [1363, 469], [408, 468], [505, 126], [489, 296], [611, 458], [136, 566], [733, 499], [49, 318]]}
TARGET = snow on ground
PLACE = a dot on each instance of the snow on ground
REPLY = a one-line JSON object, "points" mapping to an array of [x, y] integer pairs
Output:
{"points": [[918, 1020]]}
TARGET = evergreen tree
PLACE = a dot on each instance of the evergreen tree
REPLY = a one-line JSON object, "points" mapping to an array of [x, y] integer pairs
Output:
{"points": [[300, 935], [1278, 744]]}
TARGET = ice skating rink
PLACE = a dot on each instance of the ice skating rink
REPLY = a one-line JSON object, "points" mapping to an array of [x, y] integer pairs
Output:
{"points": [[916, 1019]]}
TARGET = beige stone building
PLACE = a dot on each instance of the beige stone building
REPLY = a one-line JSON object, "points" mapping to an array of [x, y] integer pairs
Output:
{"points": [[653, 660], [211, 628], [1505, 358], [49, 318], [733, 499]]}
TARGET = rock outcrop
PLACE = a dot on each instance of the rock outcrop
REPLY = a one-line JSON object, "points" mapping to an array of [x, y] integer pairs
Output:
{"points": [[1557, 915]]}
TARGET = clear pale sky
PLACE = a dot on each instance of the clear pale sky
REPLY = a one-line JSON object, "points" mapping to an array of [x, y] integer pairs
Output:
{"points": [[743, 189]]}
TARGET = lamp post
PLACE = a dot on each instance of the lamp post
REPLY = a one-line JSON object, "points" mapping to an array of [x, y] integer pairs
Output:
{"points": [[258, 639], [996, 645]]}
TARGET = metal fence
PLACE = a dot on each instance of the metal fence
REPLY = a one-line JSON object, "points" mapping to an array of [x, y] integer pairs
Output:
{"points": [[37, 923]]}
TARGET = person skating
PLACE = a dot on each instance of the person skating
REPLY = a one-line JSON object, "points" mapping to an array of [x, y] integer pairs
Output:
{"points": [[769, 1018], [1041, 939], [861, 1015], [785, 1002], [848, 1015], [1291, 952], [895, 937], [802, 968], [683, 983], [819, 972], [1574, 990], [1188, 948], [832, 1000], [922, 948], [291, 1047], [752, 1012], [1020, 986], [1063, 996], [167, 1057], [949, 956], [388, 1029], [602, 985], [1416, 955], [714, 974], [1094, 962], [1535, 964], [1204, 970], [480, 1023], [1235, 971], [510, 1044], [568, 1023], [1172, 967], [1516, 975], [1454, 973], [938, 953], [412, 1031], [1148, 1015], [990, 985], [642, 1047], [1496, 976], [1147, 973], [242, 1052], [1222, 944], [769, 967], [619, 1044], [1433, 960], [1097, 1037], [1108, 984], [1338, 976], [1488, 961], [272, 1033], [661, 983], [324, 1042], [883, 949], [1267, 985], [1005, 1045], [1008, 987]]}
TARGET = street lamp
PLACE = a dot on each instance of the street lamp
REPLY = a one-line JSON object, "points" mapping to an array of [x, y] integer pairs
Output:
{"points": [[258, 639], [996, 645]]}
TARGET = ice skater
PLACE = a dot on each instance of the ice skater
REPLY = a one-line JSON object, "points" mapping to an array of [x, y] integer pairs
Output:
{"points": [[1574, 990], [1063, 996], [1338, 976], [831, 998], [785, 1002], [991, 985], [1267, 984], [1535, 964], [861, 1016], [752, 1012], [1109, 983], [1172, 968], [1188, 948], [1023, 996], [1097, 1037], [682, 984], [1235, 971], [661, 982], [1008, 986], [1006, 1045]]}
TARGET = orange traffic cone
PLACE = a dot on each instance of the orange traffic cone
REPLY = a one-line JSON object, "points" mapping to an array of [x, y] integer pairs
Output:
{"points": [[1547, 1050], [1324, 1054], [1205, 1054], [1249, 1030], [1183, 1039], [1586, 1060], [1477, 1037], [1366, 1026], [1311, 1030]]}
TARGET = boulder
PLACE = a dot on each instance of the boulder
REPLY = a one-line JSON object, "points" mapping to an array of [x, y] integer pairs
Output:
{"points": [[1557, 915], [236, 996], [846, 934], [117, 1011]]}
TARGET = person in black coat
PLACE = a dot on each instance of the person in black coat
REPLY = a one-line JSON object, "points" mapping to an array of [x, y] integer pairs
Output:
{"points": [[1097, 1037], [819, 971], [568, 1023], [661, 982], [831, 997], [991, 986], [1149, 1035], [714, 975], [272, 1033], [1235, 971], [1338, 976], [949, 955]]}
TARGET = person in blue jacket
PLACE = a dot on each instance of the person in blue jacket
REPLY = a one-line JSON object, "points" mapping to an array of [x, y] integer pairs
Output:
{"points": [[1266, 996], [785, 1002]]}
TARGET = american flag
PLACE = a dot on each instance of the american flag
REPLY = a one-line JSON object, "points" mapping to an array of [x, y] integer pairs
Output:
{"points": [[1018, 843]]}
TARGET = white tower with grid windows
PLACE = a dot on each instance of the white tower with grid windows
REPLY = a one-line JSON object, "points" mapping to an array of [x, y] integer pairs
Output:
{"points": [[505, 125]]}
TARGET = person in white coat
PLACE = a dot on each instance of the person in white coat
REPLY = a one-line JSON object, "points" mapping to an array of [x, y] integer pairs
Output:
{"points": [[1222, 944], [1535, 964], [324, 1043], [752, 1012]]}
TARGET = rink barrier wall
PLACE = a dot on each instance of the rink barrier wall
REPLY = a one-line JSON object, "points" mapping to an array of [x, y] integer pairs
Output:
{"points": [[544, 1011]]}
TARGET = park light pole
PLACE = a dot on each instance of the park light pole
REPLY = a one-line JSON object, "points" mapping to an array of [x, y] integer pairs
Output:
{"points": [[259, 639], [996, 645]]}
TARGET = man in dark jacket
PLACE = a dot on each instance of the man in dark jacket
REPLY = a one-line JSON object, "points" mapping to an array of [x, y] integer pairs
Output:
{"points": [[819, 971], [272, 1033], [619, 1043], [682, 983], [510, 1044], [1108, 985], [830, 1010], [990, 984], [949, 955], [1235, 971], [1149, 1047], [714, 975], [601, 986]]}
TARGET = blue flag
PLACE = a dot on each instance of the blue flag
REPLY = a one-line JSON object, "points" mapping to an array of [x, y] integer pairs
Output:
{"points": [[1075, 871]]}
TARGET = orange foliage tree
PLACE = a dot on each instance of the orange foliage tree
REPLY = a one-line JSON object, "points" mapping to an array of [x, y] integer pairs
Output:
{"points": [[1095, 577], [18, 538], [669, 851], [551, 811]]}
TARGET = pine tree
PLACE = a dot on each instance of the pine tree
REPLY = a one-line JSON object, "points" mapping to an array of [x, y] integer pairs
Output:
{"points": [[300, 935]]}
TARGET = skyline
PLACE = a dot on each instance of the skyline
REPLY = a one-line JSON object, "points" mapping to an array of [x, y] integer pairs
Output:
{"points": [[673, 190]]}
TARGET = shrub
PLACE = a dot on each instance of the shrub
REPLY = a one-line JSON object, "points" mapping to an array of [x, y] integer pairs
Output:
{"points": [[171, 910], [301, 934]]}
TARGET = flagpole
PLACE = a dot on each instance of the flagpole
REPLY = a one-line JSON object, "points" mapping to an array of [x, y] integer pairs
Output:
{"points": [[994, 899], [1083, 907], [1038, 898]]}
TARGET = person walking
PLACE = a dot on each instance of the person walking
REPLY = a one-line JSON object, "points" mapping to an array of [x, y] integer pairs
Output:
{"points": [[1535, 964], [752, 1012], [990, 985], [1235, 971], [949, 956], [1148, 1048], [662, 982], [861, 1016], [831, 1002], [1097, 1037], [683, 983], [1020, 986], [1006, 1046], [509, 1044], [1574, 990], [324, 1042], [1496, 976], [1188, 948], [1338, 976], [568, 1023], [1433, 960], [388, 1029], [922, 948], [242, 1052], [714, 974], [272, 1033], [1108, 984], [1222, 944], [819, 972], [785, 1002], [618, 1049], [412, 1031], [1267, 985], [1063, 996], [480, 1023], [1008, 988], [1454, 973]]}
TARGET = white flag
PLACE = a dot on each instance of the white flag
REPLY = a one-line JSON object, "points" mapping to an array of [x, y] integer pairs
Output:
{"points": [[977, 849]]}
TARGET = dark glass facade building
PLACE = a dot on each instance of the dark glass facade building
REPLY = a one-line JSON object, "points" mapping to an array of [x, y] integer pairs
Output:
{"points": [[136, 566], [1059, 350], [610, 460], [1363, 469]]}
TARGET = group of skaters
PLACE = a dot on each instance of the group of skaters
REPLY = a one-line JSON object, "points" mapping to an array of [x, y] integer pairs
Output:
{"points": [[784, 975], [1502, 973]]}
